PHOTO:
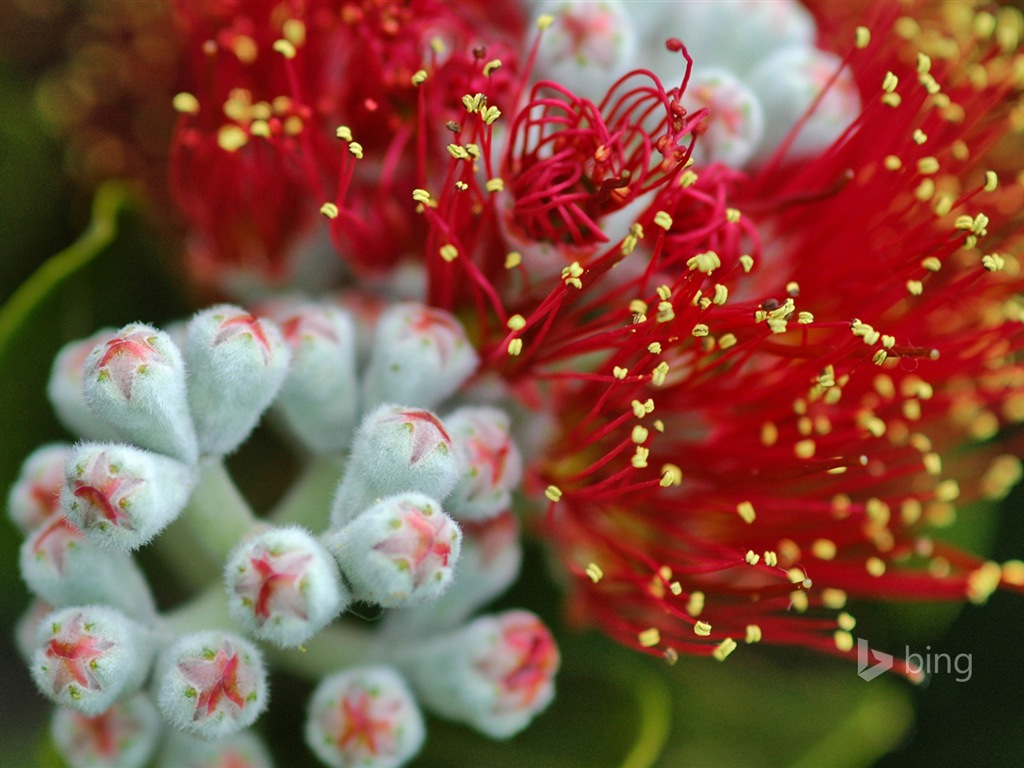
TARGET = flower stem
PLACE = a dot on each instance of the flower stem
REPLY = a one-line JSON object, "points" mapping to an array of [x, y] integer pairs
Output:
{"points": [[336, 647], [207, 610], [217, 514], [308, 501]]}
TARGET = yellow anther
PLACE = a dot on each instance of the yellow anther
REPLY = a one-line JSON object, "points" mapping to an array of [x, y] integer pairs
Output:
{"points": [[889, 82], [943, 205], [474, 103], [496, 184], [769, 434], [687, 179], [490, 114], [639, 460], [642, 409], [419, 77], [796, 575], [663, 220], [294, 31], [771, 559], [245, 48], [448, 252], [721, 294], [670, 475], [666, 312], [513, 259], [915, 287], [458, 152], [185, 103], [920, 137], [752, 558], [700, 330], [649, 637], [659, 374], [991, 181], [924, 63], [805, 449], [846, 621], [619, 372], [344, 133], [675, 588], [925, 190], [695, 604], [286, 48], [843, 640], [862, 37], [724, 648], [516, 322], [654, 348], [594, 571], [639, 434], [706, 262], [544, 21], [330, 210], [947, 490], [553, 493], [983, 581], [260, 128], [727, 340], [421, 196], [1013, 572], [659, 425], [515, 347], [664, 292], [746, 511], [702, 629], [892, 99], [892, 163], [824, 549], [747, 262], [293, 126], [490, 66], [833, 598], [733, 215], [231, 138], [931, 85], [461, 185], [753, 634], [875, 566]]}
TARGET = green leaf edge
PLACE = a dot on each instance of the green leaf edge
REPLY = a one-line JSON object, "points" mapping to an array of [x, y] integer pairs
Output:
{"points": [[655, 703], [110, 199]]}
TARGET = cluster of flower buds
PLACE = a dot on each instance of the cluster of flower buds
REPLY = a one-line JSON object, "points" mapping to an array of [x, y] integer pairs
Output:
{"points": [[401, 508]]}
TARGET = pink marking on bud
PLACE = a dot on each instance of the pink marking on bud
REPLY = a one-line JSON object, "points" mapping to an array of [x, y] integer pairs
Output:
{"points": [[428, 433], [365, 725], [105, 493], [274, 582], [216, 680], [307, 325], [524, 664], [73, 653], [125, 357], [244, 324], [54, 540], [425, 545], [441, 328]]}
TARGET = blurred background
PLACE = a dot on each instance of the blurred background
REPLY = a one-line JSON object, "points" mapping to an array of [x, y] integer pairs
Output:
{"points": [[84, 97]]}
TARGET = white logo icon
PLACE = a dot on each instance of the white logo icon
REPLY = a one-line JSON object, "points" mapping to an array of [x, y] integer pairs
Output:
{"points": [[864, 669]]}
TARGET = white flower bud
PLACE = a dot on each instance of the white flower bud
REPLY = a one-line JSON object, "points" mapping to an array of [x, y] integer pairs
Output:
{"points": [[211, 684], [124, 736], [35, 495], [87, 656], [493, 466], [420, 356], [734, 127], [283, 586], [244, 749], [27, 626], [121, 496], [320, 396], [66, 392], [364, 717], [64, 568], [495, 674], [136, 383], [401, 551], [236, 365]]}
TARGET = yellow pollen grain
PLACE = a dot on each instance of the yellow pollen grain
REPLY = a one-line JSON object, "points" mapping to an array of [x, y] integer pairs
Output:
{"points": [[448, 252], [639, 460], [649, 637], [642, 409], [619, 372], [286, 48], [915, 287], [666, 312], [343, 132], [920, 137], [746, 511], [185, 103], [824, 549], [724, 648], [461, 185], [928, 165], [892, 163], [862, 38], [733, 215], [670, 475], [943, 205], [706, 262], [875, 566], [771, 558], [721, 294], [594, 571], [924, 64], [700, 330], [889, 82], [544, 21], [769, 434], [947, 490], [846, 621], [421, 196], [695, 604], [932, 463], [490, 114], [687, 179], [659, 374], [330, 210], [752, 557], [654, 348], [993, 262], [496, 184], [675, 588], [516, 322], [231, 138], [457, 152], [513, 259], [796, 575], [925, 190], [798, 602], [490, 66], [663, 220], [892, 99], [833, 598], [747, 262], [515, 347], [260, 128], [991, 181], [983, 581], [805, 449], [419, 77], [843, 640], [727, 340], [702, 629], [553, 493], [639, 434]]}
